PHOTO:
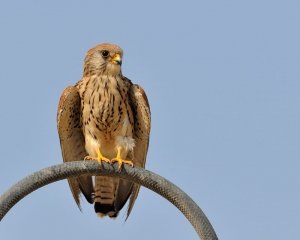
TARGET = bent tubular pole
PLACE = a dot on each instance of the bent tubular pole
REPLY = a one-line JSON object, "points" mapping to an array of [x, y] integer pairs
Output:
{"points": [[138, 175]]}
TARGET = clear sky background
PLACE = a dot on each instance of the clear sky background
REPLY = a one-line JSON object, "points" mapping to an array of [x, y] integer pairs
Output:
{"points": [[223, 81]]}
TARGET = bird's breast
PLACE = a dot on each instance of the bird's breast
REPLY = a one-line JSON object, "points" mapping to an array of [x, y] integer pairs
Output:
{"points": [[106, 109]]}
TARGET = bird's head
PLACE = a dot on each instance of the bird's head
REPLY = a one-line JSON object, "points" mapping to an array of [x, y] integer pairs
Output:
{"points": [[103, 59]]}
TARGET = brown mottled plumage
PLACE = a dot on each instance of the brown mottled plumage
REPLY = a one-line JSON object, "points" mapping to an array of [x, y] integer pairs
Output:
{"points": [[104, 117]]}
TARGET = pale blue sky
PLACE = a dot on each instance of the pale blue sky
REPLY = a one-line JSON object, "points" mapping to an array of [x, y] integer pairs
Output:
{"points": [[223, 81]]}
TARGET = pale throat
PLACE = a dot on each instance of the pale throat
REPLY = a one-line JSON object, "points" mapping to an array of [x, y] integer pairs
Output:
{"points": [[113, 70]]}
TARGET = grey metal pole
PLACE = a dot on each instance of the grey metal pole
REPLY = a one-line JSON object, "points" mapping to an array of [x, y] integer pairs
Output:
{"points": [[138, 175]]}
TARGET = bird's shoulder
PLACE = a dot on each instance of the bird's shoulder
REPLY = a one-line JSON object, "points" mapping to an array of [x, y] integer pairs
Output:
{"points": [[135, 88], [126, 82]]}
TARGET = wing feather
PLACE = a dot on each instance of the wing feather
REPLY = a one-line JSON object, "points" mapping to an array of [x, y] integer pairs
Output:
{"points": [[72, 141], [142, 125]]}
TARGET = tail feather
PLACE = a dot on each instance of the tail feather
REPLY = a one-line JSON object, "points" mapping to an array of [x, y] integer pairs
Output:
{"points": [[111, 194], [105, 188], [103, 210]]}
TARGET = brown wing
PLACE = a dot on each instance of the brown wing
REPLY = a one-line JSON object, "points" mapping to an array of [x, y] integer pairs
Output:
{"points": [[72, 141], [142, 125]]}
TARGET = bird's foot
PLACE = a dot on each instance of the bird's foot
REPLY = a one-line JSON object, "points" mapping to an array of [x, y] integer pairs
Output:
{"points": [[100, 158], [120, 160]]}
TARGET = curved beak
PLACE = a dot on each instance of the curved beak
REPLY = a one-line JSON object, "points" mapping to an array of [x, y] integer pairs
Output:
{"points": [[116, 59]]}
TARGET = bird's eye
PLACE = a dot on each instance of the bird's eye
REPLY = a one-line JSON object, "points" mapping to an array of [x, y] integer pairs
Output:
{"points": [[105, 53]]}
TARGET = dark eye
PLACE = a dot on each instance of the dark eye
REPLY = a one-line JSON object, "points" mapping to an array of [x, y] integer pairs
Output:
{"points": [[105, 53]]}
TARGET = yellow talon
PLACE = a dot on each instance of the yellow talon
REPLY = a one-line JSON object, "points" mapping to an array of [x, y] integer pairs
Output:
{"points": [[99, 157], [120, 160]]}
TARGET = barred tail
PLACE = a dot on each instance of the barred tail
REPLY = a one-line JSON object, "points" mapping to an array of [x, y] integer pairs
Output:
{"points": [[105, 190]]}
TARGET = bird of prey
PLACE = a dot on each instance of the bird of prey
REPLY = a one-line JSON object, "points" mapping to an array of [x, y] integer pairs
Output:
{"points": [[104, 117]]}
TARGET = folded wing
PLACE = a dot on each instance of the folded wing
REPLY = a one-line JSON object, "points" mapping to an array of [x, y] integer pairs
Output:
{"points": [[142, 125], [72, 141]]}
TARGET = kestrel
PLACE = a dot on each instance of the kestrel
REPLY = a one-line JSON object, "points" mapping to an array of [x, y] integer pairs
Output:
{"points": [[104, 117]]}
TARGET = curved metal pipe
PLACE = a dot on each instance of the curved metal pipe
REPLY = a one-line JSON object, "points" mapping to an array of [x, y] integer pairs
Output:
{"points": [[138, 175]]}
